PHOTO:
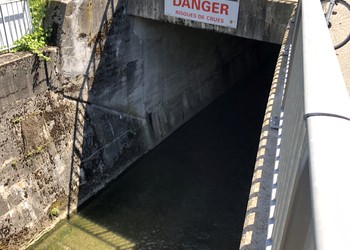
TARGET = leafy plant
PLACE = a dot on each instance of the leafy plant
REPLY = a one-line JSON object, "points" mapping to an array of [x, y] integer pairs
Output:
{"points": [[36, 40], [37, 150], [54, 212]]}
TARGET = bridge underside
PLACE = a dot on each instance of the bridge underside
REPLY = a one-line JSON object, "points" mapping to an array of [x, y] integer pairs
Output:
{"points": [[263, 20]]}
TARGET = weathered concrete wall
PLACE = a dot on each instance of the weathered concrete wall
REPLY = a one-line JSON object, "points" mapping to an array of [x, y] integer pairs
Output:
{"points": [[23, 75], [76, 25], [36, 128], [34, 172], [125, 84], [262, 20]]}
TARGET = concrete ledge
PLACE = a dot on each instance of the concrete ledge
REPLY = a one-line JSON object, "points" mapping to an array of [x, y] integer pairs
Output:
{"points": [[255, 227], [24, 75]]}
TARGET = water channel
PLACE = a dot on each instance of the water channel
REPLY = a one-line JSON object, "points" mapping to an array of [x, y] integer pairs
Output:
{"points": [[190, 192]]}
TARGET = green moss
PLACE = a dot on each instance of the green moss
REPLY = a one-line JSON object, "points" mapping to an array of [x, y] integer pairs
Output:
{"points": [[54, 212], [14, 163], [17, 120]]}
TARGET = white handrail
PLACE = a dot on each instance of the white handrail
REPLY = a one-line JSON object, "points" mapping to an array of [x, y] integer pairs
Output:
{"points": [[327, 111], [312, 198]]}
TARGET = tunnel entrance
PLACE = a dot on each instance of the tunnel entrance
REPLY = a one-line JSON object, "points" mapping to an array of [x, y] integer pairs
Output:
{"points": [[189, 192]]}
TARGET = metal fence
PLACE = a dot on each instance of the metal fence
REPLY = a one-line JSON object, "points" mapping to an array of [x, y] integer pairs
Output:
{"points": [[310, 198], [15, 22]]}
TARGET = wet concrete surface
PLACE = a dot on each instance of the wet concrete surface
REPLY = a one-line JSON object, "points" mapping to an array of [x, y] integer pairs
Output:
{"points": [[188, 193]]}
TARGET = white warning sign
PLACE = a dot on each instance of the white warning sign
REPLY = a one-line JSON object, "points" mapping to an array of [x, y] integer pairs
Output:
{"points": [[218, 12]]}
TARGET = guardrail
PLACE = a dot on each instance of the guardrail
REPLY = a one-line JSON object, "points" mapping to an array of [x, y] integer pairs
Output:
{"points": [[15, 22], [310, 197]]}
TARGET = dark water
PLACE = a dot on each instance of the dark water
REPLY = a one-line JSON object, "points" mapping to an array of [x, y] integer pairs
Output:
{"points": [[188, 193]]}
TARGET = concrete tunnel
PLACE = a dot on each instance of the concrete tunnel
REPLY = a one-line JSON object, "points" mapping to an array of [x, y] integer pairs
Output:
{"points": [[192, 189], [167, 124]]}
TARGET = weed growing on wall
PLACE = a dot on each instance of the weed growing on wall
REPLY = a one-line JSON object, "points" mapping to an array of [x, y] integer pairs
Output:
{"points": [[54, 212], [37, 39]]}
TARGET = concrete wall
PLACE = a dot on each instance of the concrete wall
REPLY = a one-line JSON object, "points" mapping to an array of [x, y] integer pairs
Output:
{"points": [[123, 84], [36, 128], [262, 20], [24, 76]]}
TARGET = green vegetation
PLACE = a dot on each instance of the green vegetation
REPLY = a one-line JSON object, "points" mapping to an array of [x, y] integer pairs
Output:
{"points": [[17, 120], [54, 212], [57, 207], [132, 131], [37, 39], [40, 148], [37, 150]]}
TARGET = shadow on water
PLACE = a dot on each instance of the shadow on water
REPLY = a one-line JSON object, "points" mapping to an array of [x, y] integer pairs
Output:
{"points": [[190, 192]]}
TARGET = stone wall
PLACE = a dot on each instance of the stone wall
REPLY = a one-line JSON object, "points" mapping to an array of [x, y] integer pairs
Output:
{"points": [[36, 129], [34, 171], [118, 87]]}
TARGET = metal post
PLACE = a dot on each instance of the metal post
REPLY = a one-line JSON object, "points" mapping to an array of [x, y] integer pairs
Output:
{"points": [[3, 21], [14, 21], [26, 11], [20, 26], [9, 24], [18, 21]]}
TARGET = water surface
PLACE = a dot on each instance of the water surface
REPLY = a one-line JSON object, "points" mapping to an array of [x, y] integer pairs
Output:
{"points": [[188, 193]]}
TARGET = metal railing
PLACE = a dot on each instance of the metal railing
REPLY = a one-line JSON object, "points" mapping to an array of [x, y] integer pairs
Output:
{"points": [[15, 22], [310, 197]]}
